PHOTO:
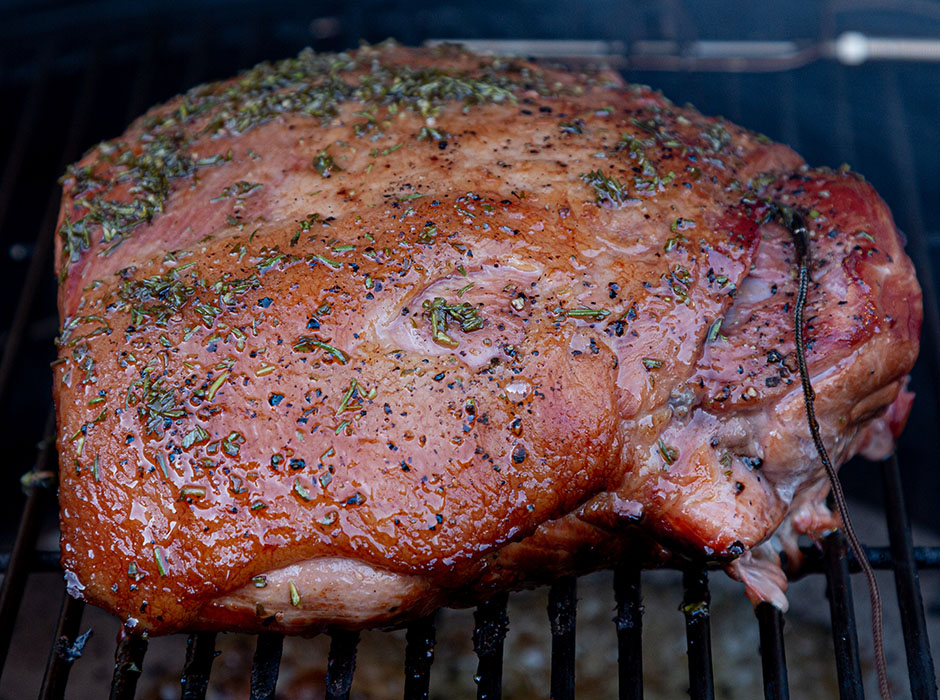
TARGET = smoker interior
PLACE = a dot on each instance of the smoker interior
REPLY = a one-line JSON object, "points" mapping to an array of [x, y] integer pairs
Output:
{"points": [[72, 74]]}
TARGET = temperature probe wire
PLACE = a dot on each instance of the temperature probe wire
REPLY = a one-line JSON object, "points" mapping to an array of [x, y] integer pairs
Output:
{"points": [[792, 220]]}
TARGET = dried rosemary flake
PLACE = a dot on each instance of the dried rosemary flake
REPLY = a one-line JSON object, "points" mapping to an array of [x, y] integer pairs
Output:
{"points": [[598, 314], [193, 492], [301, 491], [308, 344], [217, 384], [714, 330], [294, 594], [607, 188], [441, 313], [161, 562], [324, 164], [344, 403], [670, 454]]}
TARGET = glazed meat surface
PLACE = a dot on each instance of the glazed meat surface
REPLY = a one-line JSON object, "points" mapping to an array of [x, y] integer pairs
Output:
{"points": [[351, 337]]}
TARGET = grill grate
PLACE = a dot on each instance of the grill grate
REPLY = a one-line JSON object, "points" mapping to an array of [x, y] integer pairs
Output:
{"points": [[491, 624], [81, 126]]}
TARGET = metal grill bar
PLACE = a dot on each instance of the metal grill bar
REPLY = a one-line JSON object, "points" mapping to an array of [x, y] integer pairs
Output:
{"points": [[200, 653], [695, 604], [140, 87], [37, 270], [562, 614], [772, 656], [265, 665], [878, 557], [128, 665], [629, 622], [342, 664], [842, 614], [491, 623], [920, 666], [419, 655], [44, 561], [14, 583], [63, 654], [12, 169], [898, 135]]}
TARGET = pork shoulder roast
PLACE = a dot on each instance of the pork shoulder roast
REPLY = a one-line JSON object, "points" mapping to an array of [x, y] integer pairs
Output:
{"points": [[350, 337]]}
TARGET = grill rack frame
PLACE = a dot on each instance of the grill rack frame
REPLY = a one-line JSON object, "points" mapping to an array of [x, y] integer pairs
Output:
{"points": [[491, 620]]}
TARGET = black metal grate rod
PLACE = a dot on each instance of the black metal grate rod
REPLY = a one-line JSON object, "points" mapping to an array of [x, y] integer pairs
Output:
{"points": [[128, 665], [772, 655], [200, 653], [898, 136], [265, 665], [14, 583], [22, 138], [562, 615], [695, 607], [923, 677], [842, 615], [65, 651], [629, 622], [419, 655], [489, 633], [341, 664]]}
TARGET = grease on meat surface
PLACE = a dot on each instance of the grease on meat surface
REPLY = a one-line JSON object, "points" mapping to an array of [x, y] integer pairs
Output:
{"points": [[351, 337]]}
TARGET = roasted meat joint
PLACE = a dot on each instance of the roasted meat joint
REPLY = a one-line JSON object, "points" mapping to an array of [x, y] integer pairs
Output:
{"points": [[350, 337]]}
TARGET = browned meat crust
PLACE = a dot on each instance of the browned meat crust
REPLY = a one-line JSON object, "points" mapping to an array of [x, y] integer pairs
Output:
{"points": [[350, 337]]}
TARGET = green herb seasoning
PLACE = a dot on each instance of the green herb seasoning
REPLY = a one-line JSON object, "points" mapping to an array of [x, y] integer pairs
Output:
{"points": [[161, 462], [239, 189], [714, 331], [311, 84], [607, 188], [441, 313], [301, 491], [669, 454], [231, 445], [429, 133], [294, 594], [306, 343], [196, 435], [157, 298], [156, 405], [217, 384], [327, 261], [161, 562], [324, 165], [597, 314], [344, 404], [716, 137]]}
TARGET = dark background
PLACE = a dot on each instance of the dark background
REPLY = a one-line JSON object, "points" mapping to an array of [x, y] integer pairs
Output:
{"points": [[72, 74]]}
